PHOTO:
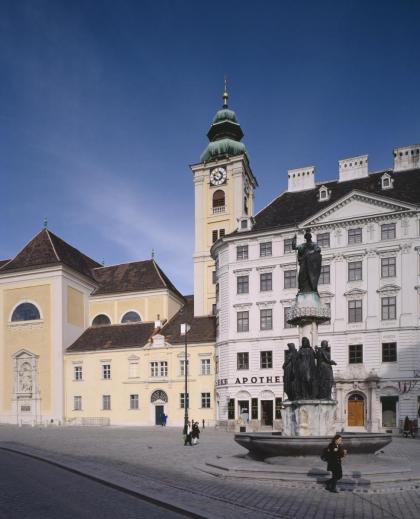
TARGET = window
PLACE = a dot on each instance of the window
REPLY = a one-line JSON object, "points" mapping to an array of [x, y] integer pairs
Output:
{"points": [[77, 403], [130, 317], [231, 409], [242, 360], [388, 267], [355, 353], [78, 373], [389, 352], [254, 408], [242, 252], [278, 406], [266, 359], [205, 400], [242, 284], [323, 239], [106, 402], [134, 401], [216, 364], [244, 224], [214, 236], [389, 308], [182, 400], [164, 369], [242, 321], [106, 371], [205, 366], [213, 309], [25, 312], [287, 245], [221, 233], [154, 369], [324, 277], [101, 320], [354, 235], [219, 200], [355, 311], [265, 248], [266, 319], [213, 277], [285, 317], [387, 231], [182, 364], [329, 308], [266, 282], [290, 279], [355, 271]]}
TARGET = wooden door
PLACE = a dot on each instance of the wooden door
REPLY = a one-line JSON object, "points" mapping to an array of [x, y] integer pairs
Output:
{"points": [[356, 412]]}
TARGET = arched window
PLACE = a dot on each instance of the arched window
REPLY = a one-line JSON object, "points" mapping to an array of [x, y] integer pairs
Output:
{"points": [[131, 317], [100, 320], [219, 198], [25, 312]]}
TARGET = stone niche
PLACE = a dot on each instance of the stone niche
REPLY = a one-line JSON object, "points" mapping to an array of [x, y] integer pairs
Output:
{"points": [[309, 418]]}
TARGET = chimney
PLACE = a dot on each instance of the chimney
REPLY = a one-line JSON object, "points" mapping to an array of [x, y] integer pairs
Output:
{"points": [[301, 179], [355, 167], [407, 157]]}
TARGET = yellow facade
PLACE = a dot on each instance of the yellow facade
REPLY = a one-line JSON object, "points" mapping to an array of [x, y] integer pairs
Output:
{"points": [[131, 374], [148, 305], [75, 307]]}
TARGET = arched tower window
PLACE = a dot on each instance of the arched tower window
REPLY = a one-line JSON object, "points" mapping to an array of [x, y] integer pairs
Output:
{"points": [[25, 312], [101, 320], [219, 201], [131, 317]]}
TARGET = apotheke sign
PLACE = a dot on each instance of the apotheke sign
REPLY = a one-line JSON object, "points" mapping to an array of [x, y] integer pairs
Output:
{"points": [[252, 380]]}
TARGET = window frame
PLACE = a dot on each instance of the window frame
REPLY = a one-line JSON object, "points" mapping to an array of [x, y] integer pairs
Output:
{"points": [[326, 273], [266, 280], [242, 252], [352, 308], [242, 321], [134, 401], [289, 280], [78, 406], [78, 373], [266, 359], [320, 238], [106, 402], [266, 319], [206, 400], [242, 360], [106, 371], [388, 267], [354, 235], [355, 269], [355, 354], [389, 352], [287, 245], [242, 284], [267, 250], [205, 367], [386, 229], [388, 303]]}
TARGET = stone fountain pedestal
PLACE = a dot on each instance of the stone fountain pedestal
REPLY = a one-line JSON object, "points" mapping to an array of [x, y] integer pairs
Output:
{"points": [[309, 418]]}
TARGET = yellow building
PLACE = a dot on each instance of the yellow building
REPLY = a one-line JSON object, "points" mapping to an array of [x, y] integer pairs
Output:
{"points": [[80, 341]]}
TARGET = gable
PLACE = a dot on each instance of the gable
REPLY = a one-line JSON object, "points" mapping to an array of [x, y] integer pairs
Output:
{"points": [[357, 205]]}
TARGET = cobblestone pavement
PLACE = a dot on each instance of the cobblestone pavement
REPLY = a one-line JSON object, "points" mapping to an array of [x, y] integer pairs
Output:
{"points": [[155, 460]]}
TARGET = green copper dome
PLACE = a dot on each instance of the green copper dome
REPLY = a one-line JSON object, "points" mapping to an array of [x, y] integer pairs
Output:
{"points": [[224, 135]]}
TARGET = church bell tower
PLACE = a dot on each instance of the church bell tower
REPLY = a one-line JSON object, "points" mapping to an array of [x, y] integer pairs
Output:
{"points": [[224, 197]]}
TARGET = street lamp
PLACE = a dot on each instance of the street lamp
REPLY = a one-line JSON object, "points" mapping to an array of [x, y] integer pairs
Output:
{"points": [[185, 328]]}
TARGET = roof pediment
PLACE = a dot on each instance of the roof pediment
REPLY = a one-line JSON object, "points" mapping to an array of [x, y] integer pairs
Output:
{"points": [[357, 204]]}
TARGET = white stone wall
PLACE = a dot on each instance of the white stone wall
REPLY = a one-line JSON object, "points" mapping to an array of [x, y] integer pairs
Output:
{"points": [[369, 213]]}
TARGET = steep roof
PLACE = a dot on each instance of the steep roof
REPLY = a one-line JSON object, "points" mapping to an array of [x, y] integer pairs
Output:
{"points": [[113, 336], [47, 249], [3, 262], [203, 329], [138, 276], [295, 207]]}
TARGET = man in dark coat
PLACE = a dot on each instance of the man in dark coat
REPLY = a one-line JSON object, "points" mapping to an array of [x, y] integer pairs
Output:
{"points": [[335, 453]]}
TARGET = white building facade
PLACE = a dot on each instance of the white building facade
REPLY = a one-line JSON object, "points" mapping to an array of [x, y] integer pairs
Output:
{"points": [[368, 228]]}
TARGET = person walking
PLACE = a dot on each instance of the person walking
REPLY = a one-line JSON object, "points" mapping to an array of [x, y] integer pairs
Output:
{"points": [[188, 432], [195, 434], [335, 453]]}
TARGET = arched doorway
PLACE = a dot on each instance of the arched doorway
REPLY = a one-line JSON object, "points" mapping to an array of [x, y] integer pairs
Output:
{"points": [[159, 398], [356, 410]]}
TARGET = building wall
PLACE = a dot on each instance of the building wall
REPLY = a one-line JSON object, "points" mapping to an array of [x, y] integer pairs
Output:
{"points": [[126, 381], [373, 378]]}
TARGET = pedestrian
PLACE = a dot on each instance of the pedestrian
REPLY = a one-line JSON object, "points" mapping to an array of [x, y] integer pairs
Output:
{"points": [[195, 434], [188, 432], [204, 421], [334, 455], [164, 419], [407, 427]]}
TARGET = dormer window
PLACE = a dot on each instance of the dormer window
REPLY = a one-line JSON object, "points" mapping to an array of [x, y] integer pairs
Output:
{"points": [[245, 224], [387, 181], [323, 194]]}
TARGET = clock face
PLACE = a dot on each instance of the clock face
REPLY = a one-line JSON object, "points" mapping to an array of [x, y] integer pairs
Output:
{"points": [[218, 176]]}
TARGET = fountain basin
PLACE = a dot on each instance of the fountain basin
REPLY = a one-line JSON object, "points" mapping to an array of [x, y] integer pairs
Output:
{"points": [[262, 445]]}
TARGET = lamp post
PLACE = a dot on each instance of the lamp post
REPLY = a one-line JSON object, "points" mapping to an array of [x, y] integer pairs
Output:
{"points": [[184, 330]]}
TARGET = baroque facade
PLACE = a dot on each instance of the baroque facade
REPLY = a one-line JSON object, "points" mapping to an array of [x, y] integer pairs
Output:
{"points": [[86, 344], [367, 225]]}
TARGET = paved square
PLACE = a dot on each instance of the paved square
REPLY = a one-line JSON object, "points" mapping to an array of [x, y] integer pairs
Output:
{"points": [[154, 461]]}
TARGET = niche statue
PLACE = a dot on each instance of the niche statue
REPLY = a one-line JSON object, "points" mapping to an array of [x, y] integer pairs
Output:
{"points": [[307, 373], [309, 258]]}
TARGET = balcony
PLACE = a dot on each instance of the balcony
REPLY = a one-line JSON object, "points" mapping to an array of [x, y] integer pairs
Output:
{"points": [[220, 209]]}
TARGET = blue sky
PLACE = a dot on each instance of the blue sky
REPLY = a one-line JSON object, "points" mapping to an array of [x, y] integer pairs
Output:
{"points": [[104, 104]]}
